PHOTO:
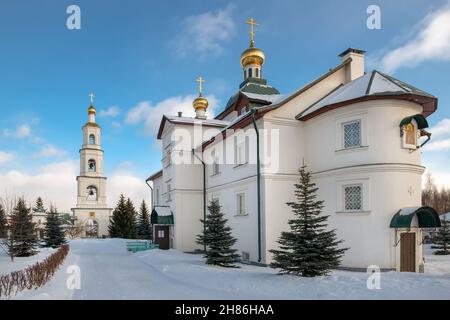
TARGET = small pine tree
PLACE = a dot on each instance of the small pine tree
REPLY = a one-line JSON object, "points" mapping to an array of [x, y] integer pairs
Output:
{"points": [[442, 238], [122, 224], [217, 238], [144, 226], [39, 206], [3, 223], [54, 235], [308, 250], [23, 240]]}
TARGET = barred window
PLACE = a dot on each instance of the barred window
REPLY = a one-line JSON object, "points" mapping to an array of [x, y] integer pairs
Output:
{"points": [[353, 197], [352, 134]]}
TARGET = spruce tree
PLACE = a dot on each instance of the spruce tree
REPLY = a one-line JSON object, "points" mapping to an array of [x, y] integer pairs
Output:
{"points": [[308, 249], [144, 226], [39, 206], [23, 240], [442, 238], [217, 238], [132, 215], [54, 235], [122, 224], [3, 223]]}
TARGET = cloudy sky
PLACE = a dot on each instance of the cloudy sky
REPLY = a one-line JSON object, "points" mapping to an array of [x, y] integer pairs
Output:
{"points": [[141, 59]]}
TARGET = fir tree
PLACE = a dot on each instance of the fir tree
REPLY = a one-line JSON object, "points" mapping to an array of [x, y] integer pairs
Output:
{"points": [[217, 238], [23, 240], [39, 206], [3, 223], [308, 250], [132, 215], [54, 235], [122, 224], [144, 226], [442, 238]]}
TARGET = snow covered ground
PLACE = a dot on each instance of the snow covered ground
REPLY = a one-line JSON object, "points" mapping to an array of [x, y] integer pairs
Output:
{"points": [[19, 263], [109, 272]]}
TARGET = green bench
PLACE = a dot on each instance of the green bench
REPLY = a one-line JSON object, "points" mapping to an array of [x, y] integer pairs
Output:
{"points": [[135, 246]]}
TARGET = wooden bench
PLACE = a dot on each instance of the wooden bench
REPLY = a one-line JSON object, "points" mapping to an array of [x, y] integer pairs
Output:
{"points": [[135, 246]]}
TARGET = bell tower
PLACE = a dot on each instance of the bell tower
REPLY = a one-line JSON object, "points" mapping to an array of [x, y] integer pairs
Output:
{"points": [[91, 209]]}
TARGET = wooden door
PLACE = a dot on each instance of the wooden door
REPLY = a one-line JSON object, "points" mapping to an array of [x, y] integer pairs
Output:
{"points": [[408, 252], [162, 237]]}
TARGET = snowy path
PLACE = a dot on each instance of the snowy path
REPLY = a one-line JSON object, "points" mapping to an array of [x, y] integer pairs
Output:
{"points": [[109, 272]]}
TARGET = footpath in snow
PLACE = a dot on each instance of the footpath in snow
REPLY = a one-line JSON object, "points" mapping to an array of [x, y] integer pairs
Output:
{"points": [[109, 272]]}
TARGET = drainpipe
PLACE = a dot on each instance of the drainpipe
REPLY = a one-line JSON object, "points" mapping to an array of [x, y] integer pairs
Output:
{"points": [[204, 193], [258, 182], [151, 198]]}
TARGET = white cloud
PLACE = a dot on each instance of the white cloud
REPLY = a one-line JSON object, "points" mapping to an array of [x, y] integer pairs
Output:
{"points": [[6, 157], [110, 112], [22, 131], [150, 115], [440, 145], [49, 151], [56, 183], [442, 128], [432, 42], [205, 33]]}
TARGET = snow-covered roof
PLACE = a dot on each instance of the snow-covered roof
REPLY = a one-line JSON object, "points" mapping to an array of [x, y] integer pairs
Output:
{"points": [[272, 98], [408, 210], [163, 211], [371, 84], [192, 120]]}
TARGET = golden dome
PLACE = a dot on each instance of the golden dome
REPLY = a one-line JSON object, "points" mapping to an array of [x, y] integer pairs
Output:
{"points": [[91, 110], [252, 56], [200, 103]]}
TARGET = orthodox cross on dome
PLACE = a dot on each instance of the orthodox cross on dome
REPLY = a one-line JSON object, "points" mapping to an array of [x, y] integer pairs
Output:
{"points": [[91, 96], [252, 24], [200, 81]]}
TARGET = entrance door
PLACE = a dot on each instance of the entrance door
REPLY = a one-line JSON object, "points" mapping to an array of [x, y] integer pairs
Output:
{"points": [[162, 237], [408, 252]]}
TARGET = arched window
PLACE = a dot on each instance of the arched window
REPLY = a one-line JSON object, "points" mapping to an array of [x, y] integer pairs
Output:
{"points": [[92, 166], [92, 139], [91, 193], [257, 72], [250, 74], [410, 134]]}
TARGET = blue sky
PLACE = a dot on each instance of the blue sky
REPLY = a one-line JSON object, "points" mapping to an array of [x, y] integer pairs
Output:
{"points": [[141, 58]]}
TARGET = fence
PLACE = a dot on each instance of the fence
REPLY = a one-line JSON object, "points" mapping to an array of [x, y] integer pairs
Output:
{"points": [[34, 276]]}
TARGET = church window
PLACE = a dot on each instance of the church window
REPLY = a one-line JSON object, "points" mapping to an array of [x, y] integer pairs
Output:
{"points": [[91, 193], [257, 72], [92, 139], [240, 204], [352, 134], [157, 196], [250, 74], [92, 166], [240, 152], [353, 197]]}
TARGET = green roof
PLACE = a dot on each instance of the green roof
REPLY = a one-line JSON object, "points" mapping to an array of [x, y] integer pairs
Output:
{"points": [[161, 215], [422, 122], [427, 217]]}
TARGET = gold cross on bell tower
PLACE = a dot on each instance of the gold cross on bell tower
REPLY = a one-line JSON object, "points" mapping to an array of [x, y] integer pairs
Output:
{"points": [[252, 24], [200, 81], [91, 96]]}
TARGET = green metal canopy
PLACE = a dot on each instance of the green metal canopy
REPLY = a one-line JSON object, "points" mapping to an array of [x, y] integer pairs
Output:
{"points": [[422, 122], [161, 215], [427, 217]]}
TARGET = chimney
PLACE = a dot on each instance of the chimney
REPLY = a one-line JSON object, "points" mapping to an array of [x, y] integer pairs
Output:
{"points": [[356, 66], [180, 114]]}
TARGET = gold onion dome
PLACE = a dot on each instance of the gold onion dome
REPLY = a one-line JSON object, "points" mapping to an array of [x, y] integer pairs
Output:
{"points": [[252, 56], [91, 110], [200, 103]]}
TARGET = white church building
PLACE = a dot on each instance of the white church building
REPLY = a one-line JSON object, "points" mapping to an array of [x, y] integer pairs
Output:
{"points": [[359, 133]]}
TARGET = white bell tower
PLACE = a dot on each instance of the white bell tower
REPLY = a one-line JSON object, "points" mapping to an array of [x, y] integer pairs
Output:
{"points": [[91, 209]]}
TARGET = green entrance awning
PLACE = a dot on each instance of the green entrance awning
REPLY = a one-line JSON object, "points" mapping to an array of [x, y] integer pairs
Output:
{"points": [[161, 215], [427, 217], [422, 122]]}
